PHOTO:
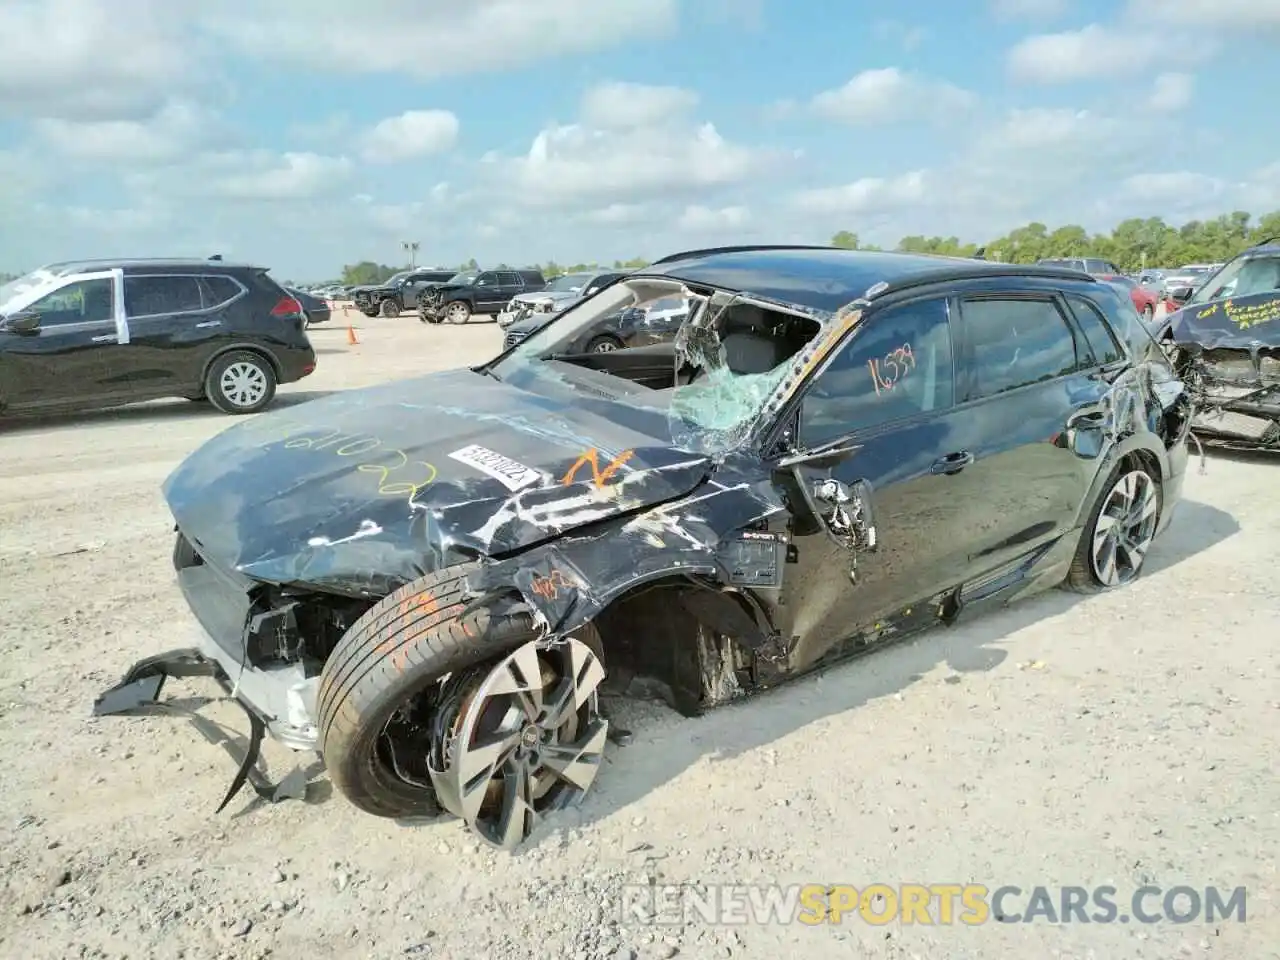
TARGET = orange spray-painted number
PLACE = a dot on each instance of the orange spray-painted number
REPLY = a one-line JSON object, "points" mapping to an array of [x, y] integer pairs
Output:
{"points": [[592, 458], [549, 587]]}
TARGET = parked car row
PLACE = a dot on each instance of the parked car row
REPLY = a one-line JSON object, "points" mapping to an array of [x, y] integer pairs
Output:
{"points": [[1144, 299]]}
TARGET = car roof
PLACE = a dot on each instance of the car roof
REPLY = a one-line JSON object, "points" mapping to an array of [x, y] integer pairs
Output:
{"points": [[140, 263], [828, 278]]}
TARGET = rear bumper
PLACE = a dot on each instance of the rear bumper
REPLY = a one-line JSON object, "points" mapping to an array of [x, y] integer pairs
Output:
{"points": [[295, 362]]}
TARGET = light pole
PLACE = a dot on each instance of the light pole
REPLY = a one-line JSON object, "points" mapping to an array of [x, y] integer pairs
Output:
{"points": [[411, 247]]}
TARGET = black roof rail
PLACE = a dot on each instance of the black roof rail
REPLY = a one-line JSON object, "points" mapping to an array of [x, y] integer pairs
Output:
{"points": [[709, 251], [990, 268], [1265, 241], [216, 256]]}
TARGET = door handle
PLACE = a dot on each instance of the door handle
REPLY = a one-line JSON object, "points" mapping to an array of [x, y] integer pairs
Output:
{"points": [[1086, 419], [105, 338], [210, 323], [952, 462]]}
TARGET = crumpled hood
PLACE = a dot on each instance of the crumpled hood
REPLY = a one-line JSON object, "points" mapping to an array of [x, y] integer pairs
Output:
{"points": [[1244, 323], [381, 485]]}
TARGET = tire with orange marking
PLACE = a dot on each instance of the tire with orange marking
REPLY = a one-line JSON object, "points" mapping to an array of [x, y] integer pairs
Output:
{"points": [[396, 651]]}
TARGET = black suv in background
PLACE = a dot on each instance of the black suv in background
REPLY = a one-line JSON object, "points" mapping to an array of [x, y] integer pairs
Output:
{"points": [[398, 294], [105, 332], [477, 291]]}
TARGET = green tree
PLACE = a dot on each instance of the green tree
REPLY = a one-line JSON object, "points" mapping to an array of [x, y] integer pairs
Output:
{"points": [[845, 240], [366, 271]]}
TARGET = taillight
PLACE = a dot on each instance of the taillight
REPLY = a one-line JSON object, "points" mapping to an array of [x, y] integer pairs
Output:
{"points": [[287, 307]]}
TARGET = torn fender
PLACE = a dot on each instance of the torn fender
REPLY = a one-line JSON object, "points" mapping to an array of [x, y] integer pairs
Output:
{"points": [[707, 535]]}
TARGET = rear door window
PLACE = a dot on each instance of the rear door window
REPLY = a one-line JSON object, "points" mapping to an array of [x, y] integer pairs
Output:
{"points": [[218, 291], [157, 295], [1101, 341], [1014, 342]]}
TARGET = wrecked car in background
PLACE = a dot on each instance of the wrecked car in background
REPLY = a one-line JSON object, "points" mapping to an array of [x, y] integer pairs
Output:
{"points": [[657, 321], [559, 295], [1225, 343], [431, 581]]}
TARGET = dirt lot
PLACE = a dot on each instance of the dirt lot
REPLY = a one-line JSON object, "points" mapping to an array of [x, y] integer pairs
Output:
{"points": [[1129, 739]]}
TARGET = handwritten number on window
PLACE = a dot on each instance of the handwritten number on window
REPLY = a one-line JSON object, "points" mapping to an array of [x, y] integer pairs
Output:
{"points": [[887, 371]]}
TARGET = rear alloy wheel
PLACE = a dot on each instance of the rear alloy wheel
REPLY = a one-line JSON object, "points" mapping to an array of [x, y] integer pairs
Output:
{"points": [[389, 309], [458, 312], [603, 345], [1119, 533], [240, 382]]}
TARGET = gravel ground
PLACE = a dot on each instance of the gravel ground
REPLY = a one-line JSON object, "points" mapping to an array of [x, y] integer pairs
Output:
{"points": [[1127, 739]]}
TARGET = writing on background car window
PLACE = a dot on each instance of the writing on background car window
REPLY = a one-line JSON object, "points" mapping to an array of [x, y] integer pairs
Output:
{"points": [[888, 370]]}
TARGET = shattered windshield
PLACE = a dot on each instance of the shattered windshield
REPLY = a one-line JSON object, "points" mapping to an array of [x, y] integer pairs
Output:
{"points": [[1242, 277], [730, 358]]}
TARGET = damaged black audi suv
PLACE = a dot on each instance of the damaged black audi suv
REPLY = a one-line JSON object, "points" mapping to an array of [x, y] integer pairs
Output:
{"points": [[430, 582]]}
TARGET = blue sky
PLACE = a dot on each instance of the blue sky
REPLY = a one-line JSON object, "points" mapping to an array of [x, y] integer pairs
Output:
{"points": [[305, 135]]}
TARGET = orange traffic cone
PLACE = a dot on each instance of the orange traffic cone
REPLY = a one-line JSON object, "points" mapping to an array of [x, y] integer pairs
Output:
{"points": [[352, 339]]}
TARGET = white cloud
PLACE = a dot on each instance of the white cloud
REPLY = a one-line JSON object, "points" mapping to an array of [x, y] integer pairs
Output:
{"points": [[1221, 16], [629, 105], [89, 60], [699, 219], [618, 214], [1171, 92], [867, 196], [889, 94], [1170, 188], [174, 132], [442, 38], [262, 175], [1091, 53], [576, 163], [412, 134], [1049, 128]]}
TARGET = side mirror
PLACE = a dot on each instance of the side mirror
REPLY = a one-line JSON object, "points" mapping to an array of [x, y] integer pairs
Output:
{"points": [[1181, 294], [26, 321]]}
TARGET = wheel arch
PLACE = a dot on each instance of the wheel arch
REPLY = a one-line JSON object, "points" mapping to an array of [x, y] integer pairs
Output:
{"points": [[689, 634], [253, 348], [1137, 450]]}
